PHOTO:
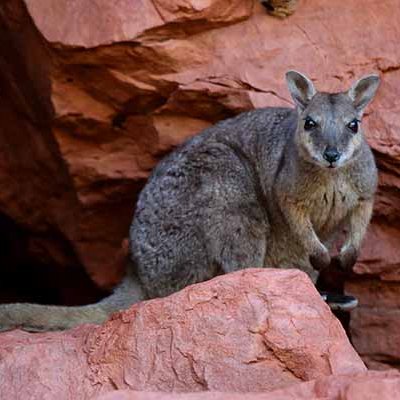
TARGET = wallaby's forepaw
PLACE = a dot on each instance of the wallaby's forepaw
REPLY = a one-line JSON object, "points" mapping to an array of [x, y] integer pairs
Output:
{"points": [[346, 260], [320, 259]]}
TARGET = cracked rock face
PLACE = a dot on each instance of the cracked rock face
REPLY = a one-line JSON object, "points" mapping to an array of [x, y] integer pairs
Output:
{"points": [[372, 385], [95, 93], [233, 333]]}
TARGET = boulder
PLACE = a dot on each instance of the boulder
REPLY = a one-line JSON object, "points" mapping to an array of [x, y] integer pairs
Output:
{"points": [[250, 331], [369, 385]]}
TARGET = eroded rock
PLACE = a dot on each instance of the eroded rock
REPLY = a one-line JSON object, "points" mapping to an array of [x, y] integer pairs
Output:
{"points": [[370, 385], [253, 330]]}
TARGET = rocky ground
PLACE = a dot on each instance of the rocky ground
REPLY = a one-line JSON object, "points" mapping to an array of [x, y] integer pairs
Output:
{"points": [[235, 333], [370, 385], [233, 337], [92, 96]]}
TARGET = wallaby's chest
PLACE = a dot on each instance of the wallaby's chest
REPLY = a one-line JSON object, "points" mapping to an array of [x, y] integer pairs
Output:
{"points": [[331, 203]]}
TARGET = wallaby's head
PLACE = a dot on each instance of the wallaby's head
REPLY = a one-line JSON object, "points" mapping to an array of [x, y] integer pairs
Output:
{"points": [[329, 131]]}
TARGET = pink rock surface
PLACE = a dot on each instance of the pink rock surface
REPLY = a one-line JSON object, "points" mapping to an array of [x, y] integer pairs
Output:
{"points": [[253, 330], [369, 385]]}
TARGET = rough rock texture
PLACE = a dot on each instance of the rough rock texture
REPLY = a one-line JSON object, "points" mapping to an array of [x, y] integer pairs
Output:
{"points": [[34, 180], [235, 333], [93, 95], [369, 385], [375, 326]]}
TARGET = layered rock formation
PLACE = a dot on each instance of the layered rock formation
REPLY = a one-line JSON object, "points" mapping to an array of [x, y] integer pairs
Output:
{"points": [[93, 96], [369, 385], [235, 333]]}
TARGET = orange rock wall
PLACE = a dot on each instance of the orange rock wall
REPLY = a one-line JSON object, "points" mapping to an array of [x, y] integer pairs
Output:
{"points": [[95, 95]]}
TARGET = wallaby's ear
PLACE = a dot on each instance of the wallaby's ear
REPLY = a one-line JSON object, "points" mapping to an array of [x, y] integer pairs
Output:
{"points": [[363, 91], [300, 87]]}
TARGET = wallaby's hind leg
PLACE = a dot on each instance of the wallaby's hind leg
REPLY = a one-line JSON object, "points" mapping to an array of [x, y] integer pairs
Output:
{"points": [[241, 245], [178, 260], [201, 218], [188, 257]]}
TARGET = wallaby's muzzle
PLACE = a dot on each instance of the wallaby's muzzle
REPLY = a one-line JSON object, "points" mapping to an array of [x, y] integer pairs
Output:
{"points": [[331, 154]]}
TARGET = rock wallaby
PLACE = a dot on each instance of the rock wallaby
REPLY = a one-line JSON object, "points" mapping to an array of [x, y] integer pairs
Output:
{"points": [[269, 188]]}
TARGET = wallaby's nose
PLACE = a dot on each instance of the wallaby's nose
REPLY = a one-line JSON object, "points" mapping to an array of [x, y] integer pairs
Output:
{"points": [[331, 154]]}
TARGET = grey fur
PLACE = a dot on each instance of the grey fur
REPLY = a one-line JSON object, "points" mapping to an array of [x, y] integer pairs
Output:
{"points": [[251, 191], [301, 88]]}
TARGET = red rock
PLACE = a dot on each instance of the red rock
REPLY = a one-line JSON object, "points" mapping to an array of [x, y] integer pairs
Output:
{"points": [[376, 334], [376, 294], [375, 325], [253, 330], [370, 385], [37, 198], [103, 22]]}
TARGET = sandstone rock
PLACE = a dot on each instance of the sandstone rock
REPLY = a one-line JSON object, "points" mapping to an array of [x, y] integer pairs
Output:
{"points": [[375, 325], [38, 203], [104, 23], [370, 385], [253, 330], [36, 189]]}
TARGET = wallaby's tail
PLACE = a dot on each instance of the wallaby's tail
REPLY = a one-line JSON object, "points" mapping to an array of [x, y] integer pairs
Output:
{"points": [[36, 318]]}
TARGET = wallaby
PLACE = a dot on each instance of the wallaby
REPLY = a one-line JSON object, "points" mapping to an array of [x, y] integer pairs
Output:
{"points": [[269, 188]]}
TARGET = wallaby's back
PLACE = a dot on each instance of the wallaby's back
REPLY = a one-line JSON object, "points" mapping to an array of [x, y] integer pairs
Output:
{"points": [[203, 198]]}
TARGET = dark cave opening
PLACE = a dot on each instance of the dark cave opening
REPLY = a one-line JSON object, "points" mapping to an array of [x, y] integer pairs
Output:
{"points": [[26, 279]]}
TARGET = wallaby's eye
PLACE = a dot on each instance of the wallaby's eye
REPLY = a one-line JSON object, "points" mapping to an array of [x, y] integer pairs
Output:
{"points": [[353, 125], [309, 124]]}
